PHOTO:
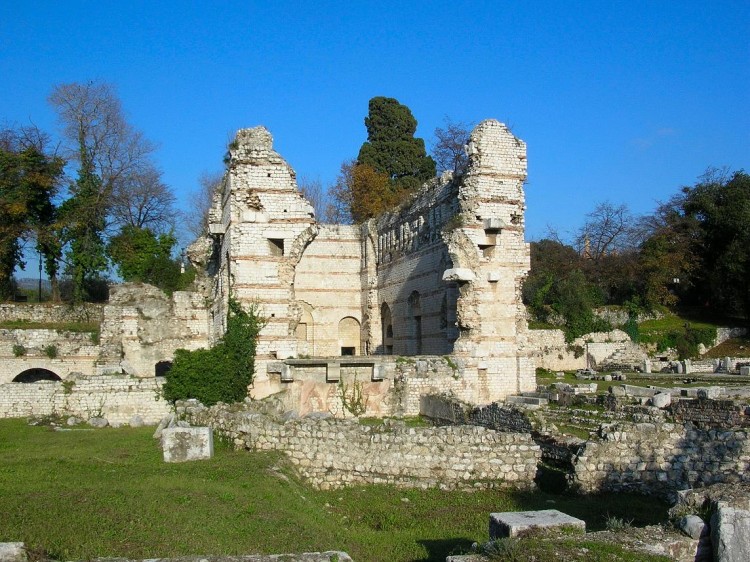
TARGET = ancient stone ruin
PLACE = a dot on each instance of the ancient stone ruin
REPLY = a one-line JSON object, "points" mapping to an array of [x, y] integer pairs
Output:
{"points": [[440, 276]]}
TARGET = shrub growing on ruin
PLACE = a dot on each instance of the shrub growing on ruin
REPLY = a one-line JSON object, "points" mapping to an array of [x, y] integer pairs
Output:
{"points": [[222, 373]]}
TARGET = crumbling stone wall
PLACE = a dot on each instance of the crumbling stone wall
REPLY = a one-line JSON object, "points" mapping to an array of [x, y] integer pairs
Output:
{"points": [[661, 458], [48, 312], [711, 413], [332, 453], [116, 397], [73, 352], [142, 326]]}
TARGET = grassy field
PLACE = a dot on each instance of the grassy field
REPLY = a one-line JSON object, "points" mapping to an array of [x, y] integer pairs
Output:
{"points": [[79, 494]]}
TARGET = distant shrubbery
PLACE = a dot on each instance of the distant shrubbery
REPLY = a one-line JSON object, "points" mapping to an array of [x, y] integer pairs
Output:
{"points": [[222, 373]]}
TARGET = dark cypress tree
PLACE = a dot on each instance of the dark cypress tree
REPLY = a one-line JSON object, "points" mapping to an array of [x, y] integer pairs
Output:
{"points": [[391, 147]]}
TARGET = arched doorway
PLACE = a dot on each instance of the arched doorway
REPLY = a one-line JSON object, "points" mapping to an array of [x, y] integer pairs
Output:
{"points": [[386, 322], [349, 336], [36, 375]]}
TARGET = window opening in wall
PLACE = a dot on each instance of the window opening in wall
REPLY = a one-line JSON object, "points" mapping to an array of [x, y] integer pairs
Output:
{"points": [[415, 311], [487, 250], [162, 368], [350, 336], [276, 246], [386, 322]]}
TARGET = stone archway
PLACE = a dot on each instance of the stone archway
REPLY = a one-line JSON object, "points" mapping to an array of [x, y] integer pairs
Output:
{"points": [[36, 375]]}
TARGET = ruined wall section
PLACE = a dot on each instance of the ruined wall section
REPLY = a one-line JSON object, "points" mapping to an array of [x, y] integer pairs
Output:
{"points": [[410, 258], [143, 326], [491, 314], [265, 226], [328, 293]]}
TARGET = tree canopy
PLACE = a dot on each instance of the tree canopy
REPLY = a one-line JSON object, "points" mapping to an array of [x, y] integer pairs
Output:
{"points": [[391, 164], [29, 180]]}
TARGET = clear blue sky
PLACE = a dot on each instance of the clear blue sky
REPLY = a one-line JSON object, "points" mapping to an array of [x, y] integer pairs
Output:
{"points": [[623, 101]]}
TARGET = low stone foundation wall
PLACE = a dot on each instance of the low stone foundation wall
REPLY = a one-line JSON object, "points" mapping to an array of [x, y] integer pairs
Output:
{"points": [[51, 312], [711, 413], [332, 453], [661, 458], [115, 397]]}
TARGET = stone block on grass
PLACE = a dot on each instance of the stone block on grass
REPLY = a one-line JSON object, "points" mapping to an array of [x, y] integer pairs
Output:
{"points": [[13, 552], [514, 523], [181, 444]]}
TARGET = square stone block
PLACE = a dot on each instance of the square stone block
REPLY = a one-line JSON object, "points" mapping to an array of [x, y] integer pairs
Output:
{"points": [[182, 444], [512, 523]]}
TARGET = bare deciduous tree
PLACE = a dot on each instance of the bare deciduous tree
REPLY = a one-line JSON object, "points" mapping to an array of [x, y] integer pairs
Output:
{"points": [[201, 200], [449, 148], [313, 191], [608, 229], [144, 202], [97, 134]]}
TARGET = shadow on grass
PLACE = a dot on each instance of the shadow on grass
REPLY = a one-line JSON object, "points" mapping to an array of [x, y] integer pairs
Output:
{"points": [[439, 549]]}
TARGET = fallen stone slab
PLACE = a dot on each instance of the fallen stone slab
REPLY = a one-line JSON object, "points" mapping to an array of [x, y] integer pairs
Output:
{"points": [[693, 526], [13, 552], [515, 523], [181, 444]]}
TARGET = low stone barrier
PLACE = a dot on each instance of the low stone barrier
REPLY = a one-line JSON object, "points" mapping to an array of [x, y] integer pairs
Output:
{"points": [[660, 458], [332, 453], [711, 413], [118, 398]]}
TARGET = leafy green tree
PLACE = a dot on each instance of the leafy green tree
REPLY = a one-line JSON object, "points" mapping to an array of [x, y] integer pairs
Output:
{"points": [[720, 203], [84, 223], [140, 255], [222, 373], [29, 180]]}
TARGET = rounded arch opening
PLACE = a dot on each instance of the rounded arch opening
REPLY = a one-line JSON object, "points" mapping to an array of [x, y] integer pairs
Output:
{"points": [[36, 375], [349, 336]]}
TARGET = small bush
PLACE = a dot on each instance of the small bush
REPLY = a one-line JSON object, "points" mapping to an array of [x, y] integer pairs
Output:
{"points": [[19, 350], [51, 351], [616, 524], [222, 373]]}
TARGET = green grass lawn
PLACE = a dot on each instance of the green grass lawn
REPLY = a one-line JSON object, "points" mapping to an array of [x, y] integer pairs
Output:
{"points": [[80, 494]]}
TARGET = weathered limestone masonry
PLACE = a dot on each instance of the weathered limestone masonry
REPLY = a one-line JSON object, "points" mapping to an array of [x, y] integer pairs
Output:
{"points": [[140, 327], [439, 276], [661, 458], [118, 398], [331, 453], [74, 352], [143, 327]]}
